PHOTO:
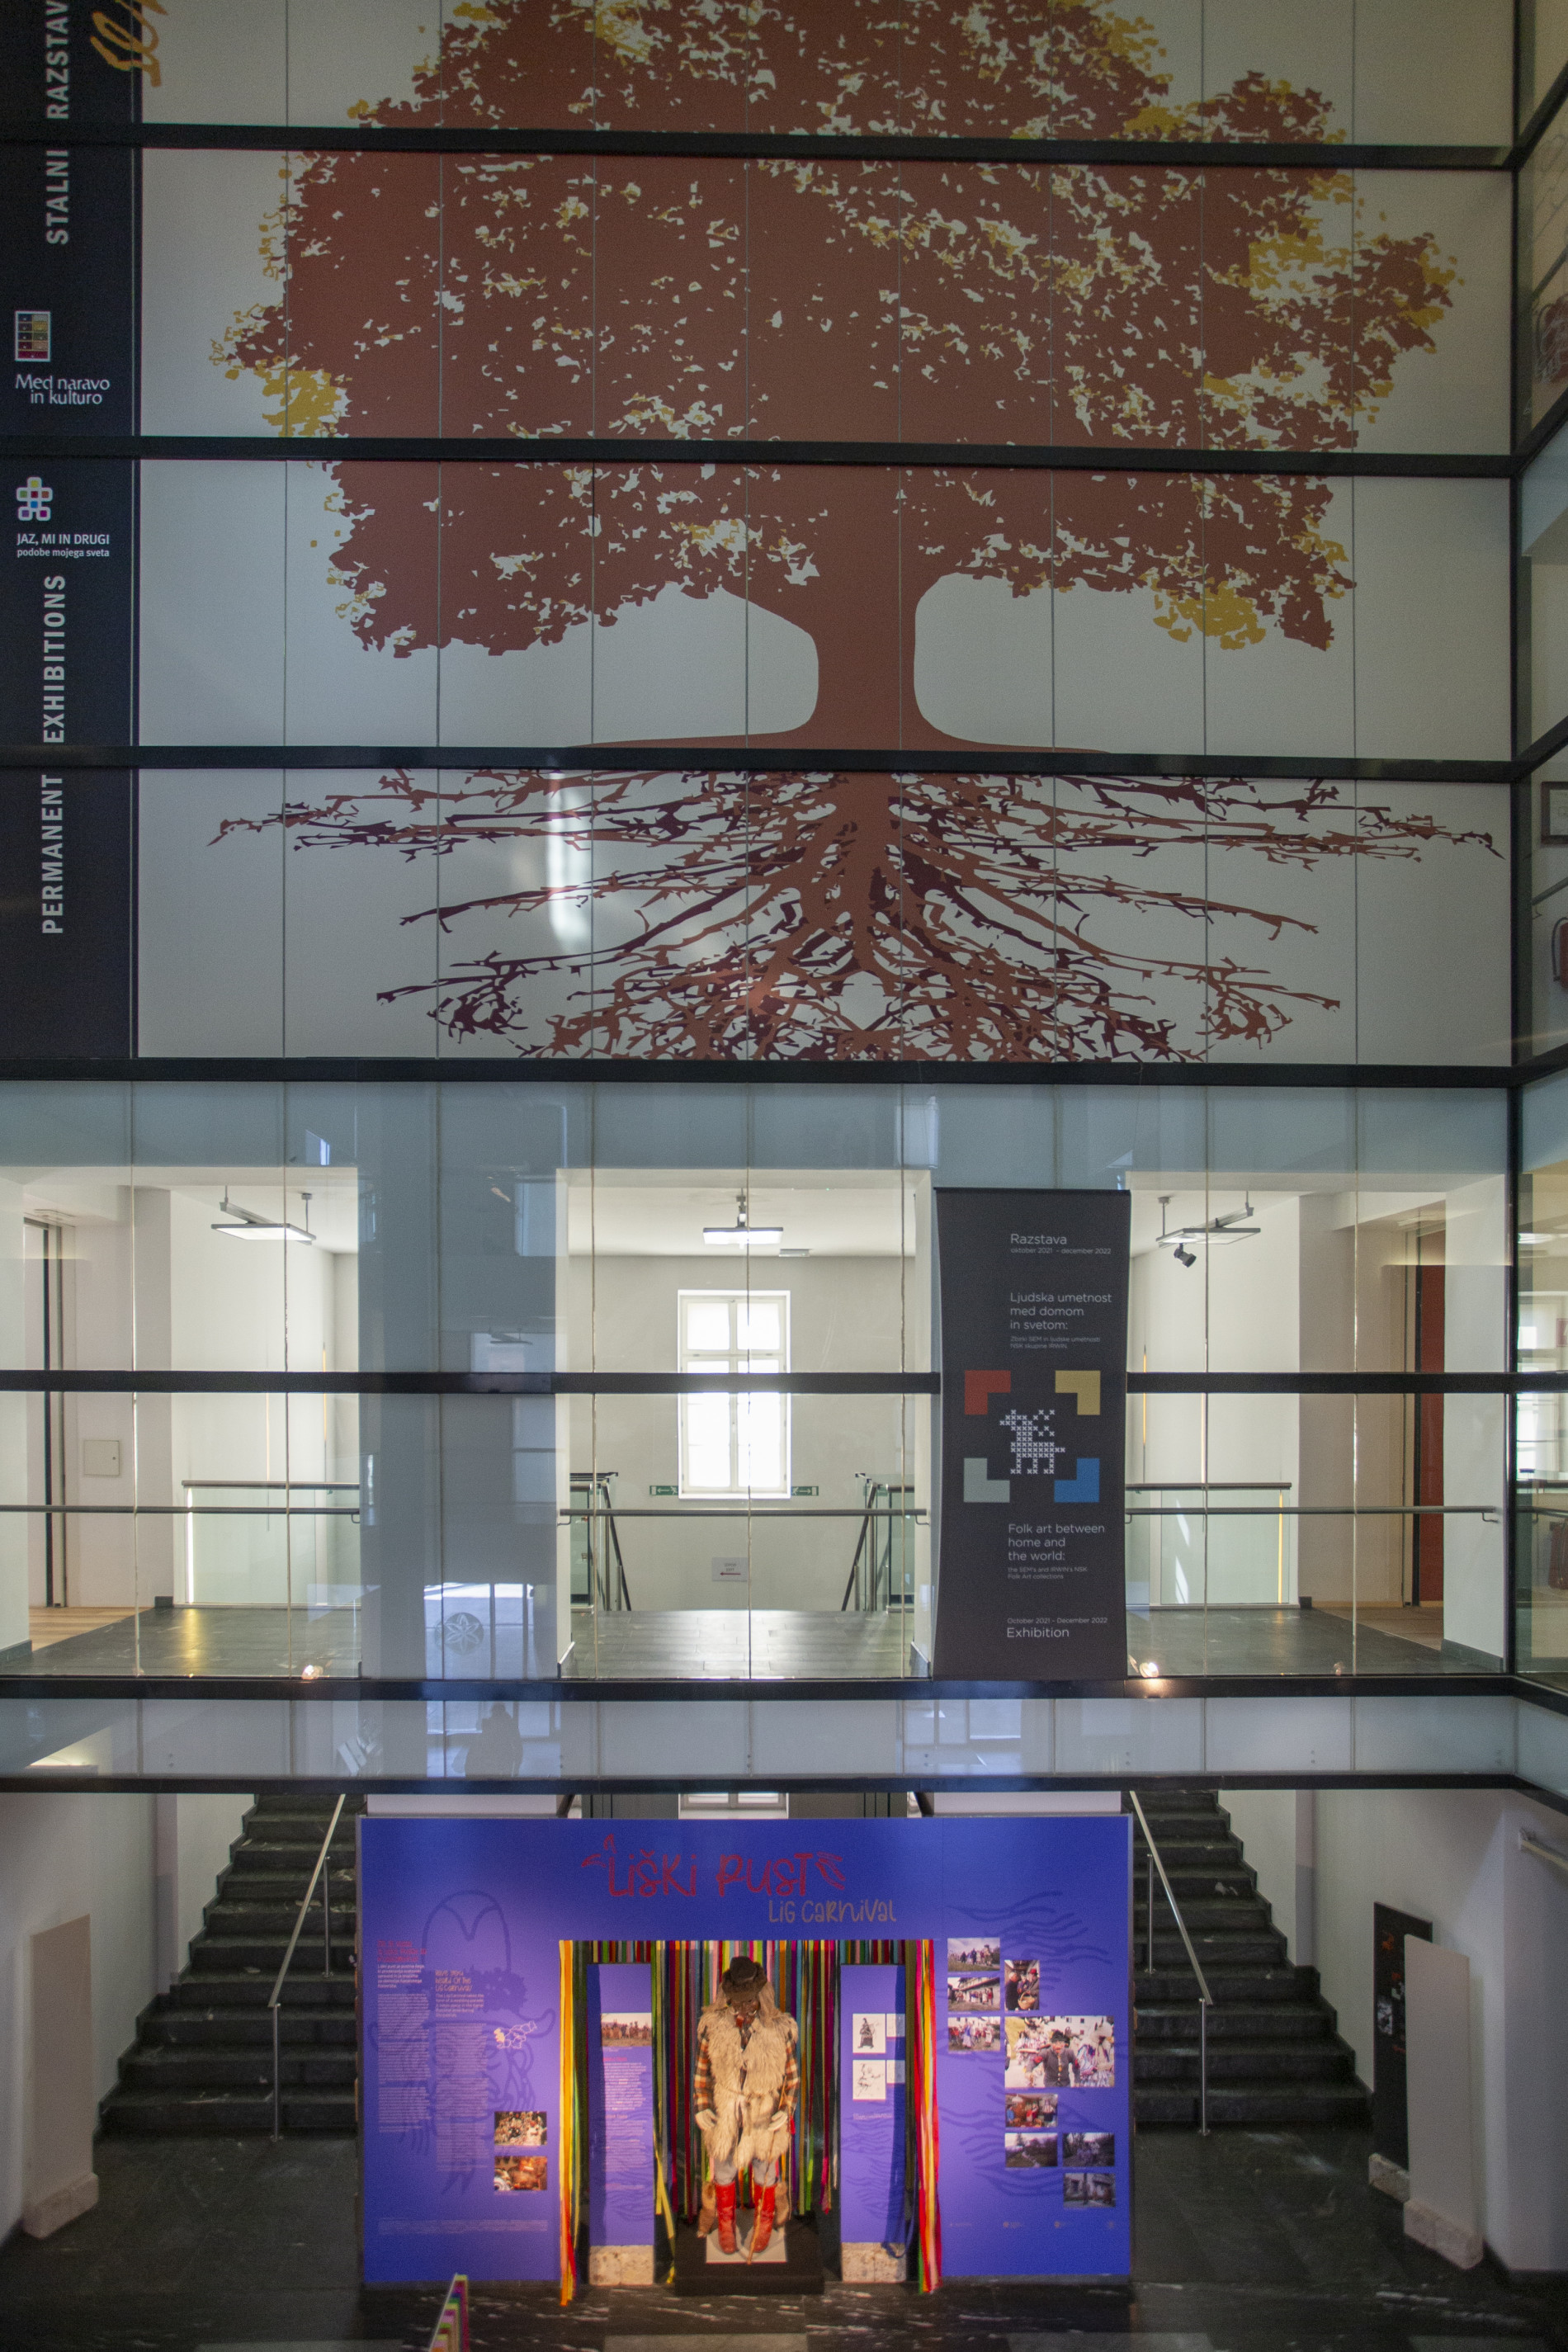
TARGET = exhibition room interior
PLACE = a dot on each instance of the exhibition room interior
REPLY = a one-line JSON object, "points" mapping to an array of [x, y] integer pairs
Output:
{"points": [[783, 1175], [667, 1531]]}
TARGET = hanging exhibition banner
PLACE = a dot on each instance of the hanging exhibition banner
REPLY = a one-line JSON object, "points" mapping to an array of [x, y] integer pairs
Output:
{"points": [[461, 1926], [67, 837], [873, 2044], [620, 2123], [1034, 1404], [69, 270]]}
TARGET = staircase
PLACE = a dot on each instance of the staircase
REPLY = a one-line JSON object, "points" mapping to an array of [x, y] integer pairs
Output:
{"points": [[1274, 2056], [201, 2061]]}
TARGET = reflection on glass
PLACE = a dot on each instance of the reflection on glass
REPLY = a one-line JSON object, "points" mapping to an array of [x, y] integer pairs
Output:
{"points": [[1541, 1427], [1543, 273], [1380, 1553]]}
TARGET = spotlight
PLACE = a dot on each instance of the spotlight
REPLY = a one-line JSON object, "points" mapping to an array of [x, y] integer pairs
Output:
{"points": [[1150, 1670], [1183, 1255]]}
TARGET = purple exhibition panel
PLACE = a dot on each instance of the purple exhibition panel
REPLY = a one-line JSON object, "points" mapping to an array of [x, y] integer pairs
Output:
{"points": [[871, 2086], [461, 1922], [620, 2104], [1035, 2049]]}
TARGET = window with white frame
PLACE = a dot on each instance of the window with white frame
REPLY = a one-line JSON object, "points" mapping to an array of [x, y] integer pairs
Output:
{"points": [[734, 1444]]}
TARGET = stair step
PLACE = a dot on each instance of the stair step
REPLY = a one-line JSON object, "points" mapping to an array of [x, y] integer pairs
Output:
{"points": [[1230, 1912], [226, 1954], [234, 1916], [285, 1802], [1175, 1983], [304, 1988], [231, 2029], [1260, 1949], [182, 2071], [1257, 2104], [1260, 2021], [1245, 2061], [266, 1866], [145, 2113]]}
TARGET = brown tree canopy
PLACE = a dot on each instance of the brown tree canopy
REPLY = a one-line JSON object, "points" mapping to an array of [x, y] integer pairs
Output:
{"points": [[544, 296]]}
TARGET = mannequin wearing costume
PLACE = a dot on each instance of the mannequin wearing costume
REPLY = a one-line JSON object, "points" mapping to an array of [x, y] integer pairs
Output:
{"points": [[744, 2093]]}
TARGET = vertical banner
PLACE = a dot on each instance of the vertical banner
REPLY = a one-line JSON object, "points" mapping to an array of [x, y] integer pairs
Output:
{"points": [[1034, 1408], [620, 2124], [65, 835], [69, 227], [872, 2088], [70, 215]]}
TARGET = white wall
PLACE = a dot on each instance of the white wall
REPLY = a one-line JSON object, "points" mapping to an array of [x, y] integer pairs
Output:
{"points": [[148, 1280], [193, 1836], [60, 1857], [846, 1314], [1452, 1856], [1276, 1827]]}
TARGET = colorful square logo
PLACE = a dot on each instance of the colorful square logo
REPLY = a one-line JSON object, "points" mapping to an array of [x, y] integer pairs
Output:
{"points": [[33, 334]]}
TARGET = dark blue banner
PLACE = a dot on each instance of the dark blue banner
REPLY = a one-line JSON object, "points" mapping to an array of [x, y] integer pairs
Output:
{"points": [[462, 1925], [1033, 1409], [69, 257], [67, 838]]}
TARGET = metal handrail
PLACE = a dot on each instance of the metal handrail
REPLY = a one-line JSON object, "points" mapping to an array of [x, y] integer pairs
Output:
{"points": [[1205, 1997], [1542, 1853], [321, 1865]]}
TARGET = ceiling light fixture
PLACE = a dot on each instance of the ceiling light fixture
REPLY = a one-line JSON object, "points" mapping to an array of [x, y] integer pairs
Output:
{"points": [[1218, 1231], [741, 1235], [245, 1225]]}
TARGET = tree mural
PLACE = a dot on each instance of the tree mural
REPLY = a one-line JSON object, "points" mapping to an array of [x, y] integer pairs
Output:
{"points": [[542, 295], [539, 297], [855, 916]]}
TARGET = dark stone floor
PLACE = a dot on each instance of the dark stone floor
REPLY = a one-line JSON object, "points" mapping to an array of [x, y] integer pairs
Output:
{"points": [[1249, 2242], [764, 1645]]}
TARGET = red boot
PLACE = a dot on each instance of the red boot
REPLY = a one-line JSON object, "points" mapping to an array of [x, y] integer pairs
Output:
{"points": [[725, 2209], [763, 2227]]}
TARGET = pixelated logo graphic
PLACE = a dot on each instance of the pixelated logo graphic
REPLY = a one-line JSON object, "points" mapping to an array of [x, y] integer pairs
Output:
{"points": [[1034, 1446], [32, 500], [33, 334]]}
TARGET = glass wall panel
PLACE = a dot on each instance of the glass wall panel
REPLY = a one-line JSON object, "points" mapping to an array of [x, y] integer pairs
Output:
{"points": [[1540, 885], [1543, 301], [1541, 1545], [1541, 1574], [1543, 589], [1316, 1534], [1542, 51], [717, 1302]]}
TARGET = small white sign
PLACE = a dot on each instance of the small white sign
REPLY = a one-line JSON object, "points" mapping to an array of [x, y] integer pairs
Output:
{"points": [[895, 2025], [871, 2079], [895, 2070], [729, 1568], [868, 2034]]}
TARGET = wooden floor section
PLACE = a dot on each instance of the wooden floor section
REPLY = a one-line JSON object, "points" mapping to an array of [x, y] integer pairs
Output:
{"points": [[47, 1626]]}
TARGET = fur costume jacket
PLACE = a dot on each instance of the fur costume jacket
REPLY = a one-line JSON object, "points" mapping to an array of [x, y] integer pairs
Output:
{"points": [[753, 2084]]}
